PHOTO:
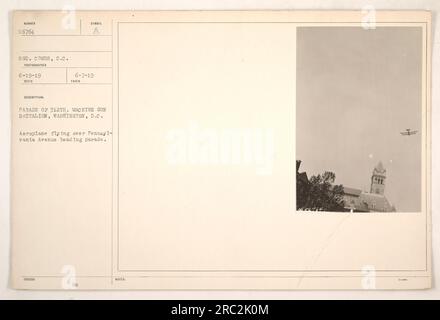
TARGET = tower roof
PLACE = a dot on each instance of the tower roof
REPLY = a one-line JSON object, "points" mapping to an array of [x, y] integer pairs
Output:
{"points": [[379, 168]]}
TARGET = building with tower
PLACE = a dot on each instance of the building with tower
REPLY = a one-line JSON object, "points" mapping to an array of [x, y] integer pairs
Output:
{"points": [[356, 200]]}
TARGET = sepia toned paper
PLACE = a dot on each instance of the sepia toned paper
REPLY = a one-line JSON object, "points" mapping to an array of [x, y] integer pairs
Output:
{"points": [[221, 150]]}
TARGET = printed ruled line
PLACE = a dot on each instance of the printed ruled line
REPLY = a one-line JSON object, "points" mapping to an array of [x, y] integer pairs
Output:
{"points": [[112, 182], [94, 51], [69, 83], [66, 35], [235, 276], [44, 67]]}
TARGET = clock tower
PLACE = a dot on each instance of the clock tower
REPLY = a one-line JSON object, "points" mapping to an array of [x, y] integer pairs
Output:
{"points": [[378, 179]]}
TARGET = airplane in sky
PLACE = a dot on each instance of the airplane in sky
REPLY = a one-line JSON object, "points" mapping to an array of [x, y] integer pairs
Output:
{"points": [[408, 132]]}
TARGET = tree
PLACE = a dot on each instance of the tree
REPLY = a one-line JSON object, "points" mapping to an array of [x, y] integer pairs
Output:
{"points": [[319, 193]]}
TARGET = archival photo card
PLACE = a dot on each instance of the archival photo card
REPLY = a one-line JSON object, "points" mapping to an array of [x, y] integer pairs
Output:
{"points": [[220, 150]]}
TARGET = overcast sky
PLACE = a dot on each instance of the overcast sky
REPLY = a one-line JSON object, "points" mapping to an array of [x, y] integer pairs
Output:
{"points": [[356, 91]]}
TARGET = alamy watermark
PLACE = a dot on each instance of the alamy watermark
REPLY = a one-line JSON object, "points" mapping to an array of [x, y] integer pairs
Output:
{"points": [[368, 17], [69, 281], [68, 21], [368, 277], [194, 145]]}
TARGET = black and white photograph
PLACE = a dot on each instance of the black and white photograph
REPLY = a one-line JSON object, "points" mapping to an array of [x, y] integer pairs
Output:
{"points": [[359, 119]]}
